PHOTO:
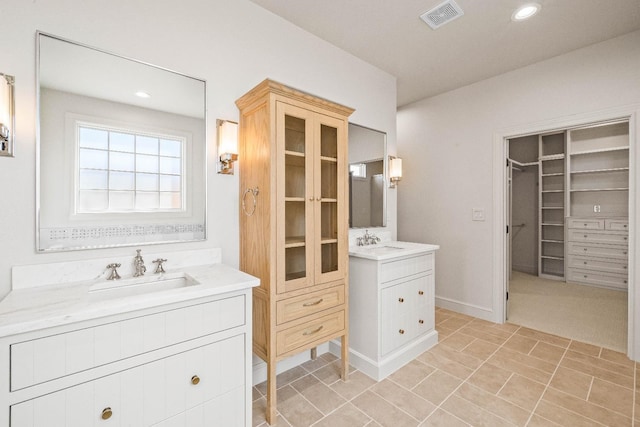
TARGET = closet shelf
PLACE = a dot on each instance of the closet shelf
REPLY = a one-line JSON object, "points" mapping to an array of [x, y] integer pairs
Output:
{"points": [[583, 190], [544, 175], [552, 191], [552, 241], [553, 207], [600, 170], [552, 157], [553, 224], [560, 258], [599, 150]]}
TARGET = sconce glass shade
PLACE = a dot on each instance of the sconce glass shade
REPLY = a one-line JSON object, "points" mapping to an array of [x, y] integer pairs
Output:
{"points": [[395, 170], [7, 117], [227, 145]]}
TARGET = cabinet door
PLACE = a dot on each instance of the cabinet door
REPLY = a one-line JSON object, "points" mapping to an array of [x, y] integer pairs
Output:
{"points": [[294, 197], [330, 174]]}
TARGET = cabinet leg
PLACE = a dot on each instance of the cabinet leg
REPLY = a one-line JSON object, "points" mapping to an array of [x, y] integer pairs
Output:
{"points": [[270, 412], [314, 353], [345, 358]]}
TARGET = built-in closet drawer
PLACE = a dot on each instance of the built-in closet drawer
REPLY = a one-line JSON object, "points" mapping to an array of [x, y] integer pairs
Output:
{"points": [[616, 224], [598, 250], [609, 280], [586, 224], [203, 387], [598, 236], [44, 359], [307, 304], [405, 267], [598, 264]]}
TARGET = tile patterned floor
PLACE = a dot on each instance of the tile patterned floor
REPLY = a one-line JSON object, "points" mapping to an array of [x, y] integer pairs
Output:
{"points": [[480, 374]]}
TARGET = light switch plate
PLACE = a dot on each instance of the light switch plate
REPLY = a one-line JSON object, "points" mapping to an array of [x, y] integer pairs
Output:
{"points": [[477, 214]]}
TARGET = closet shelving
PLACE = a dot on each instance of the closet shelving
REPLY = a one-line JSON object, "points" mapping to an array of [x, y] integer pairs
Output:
{"points": [[552, 147]]}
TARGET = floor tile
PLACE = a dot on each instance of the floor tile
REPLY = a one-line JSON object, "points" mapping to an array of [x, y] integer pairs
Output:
{"points": [[520, 344], [411, 374], [480, 349], [603, 374], [472, 414], [548, 352], [611, 396], [357, 383], [345, 416], [562, 416], [522, 391], [283, 379], [457, 341], [542, 336], [402, 398], [493, 404], [298, 411], [437, 387], [584, 348], [490, 378], [382, 411], [572, 382], [586, 409], [438, 360], [442, 418], [318, 393], [614, 356]]}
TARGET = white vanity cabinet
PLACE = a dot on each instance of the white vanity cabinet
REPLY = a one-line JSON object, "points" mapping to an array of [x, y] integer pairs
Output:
{"points": [[391, 306], [184, 363]]}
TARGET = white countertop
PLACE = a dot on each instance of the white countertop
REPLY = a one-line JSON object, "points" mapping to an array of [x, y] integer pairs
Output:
{"points": [[387, 250], [25, 310]]}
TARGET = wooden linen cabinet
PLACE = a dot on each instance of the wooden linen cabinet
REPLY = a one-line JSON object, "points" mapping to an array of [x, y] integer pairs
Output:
{"points": [[294, 222]]}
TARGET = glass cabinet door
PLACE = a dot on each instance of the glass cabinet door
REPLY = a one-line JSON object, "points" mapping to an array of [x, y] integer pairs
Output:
{"points": [[295, 203], [330, 175]]}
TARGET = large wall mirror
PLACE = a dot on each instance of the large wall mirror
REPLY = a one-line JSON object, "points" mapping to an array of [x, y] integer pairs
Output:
{"points": [[121, 150], [367, 177]]}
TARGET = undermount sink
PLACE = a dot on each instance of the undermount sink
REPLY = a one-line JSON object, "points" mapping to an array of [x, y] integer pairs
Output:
{"points": [[383, 249], [141, 285]]}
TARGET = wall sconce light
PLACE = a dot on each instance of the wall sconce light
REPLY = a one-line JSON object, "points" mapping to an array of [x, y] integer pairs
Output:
{"points": [[227, 145], [7, 116], [395, 171]]}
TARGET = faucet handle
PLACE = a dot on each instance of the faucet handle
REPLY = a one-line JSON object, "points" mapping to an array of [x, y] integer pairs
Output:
{"points": [[159, 267], [114, 272]]}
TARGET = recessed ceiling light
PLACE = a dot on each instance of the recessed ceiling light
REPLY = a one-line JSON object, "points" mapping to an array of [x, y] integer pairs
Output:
{"points": [[525, 12], [142, 94]]}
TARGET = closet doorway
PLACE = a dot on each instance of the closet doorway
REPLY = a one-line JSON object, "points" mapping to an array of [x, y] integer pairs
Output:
{"points": [[568, 232]]}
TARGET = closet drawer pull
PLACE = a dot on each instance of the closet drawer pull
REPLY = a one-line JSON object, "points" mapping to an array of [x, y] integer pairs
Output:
{"points": [[400, 299], [420, 292], [195, 380], [315, 331], [401, 331], [309, 304], [421, 321], [106, 413]]}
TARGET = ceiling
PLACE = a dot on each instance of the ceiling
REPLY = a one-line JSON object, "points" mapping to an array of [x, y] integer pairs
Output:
{"points": [[482, 43]]}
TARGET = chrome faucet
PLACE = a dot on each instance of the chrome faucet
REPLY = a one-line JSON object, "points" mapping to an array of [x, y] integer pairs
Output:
{"points": [[159, 268], [113, 275], [138, 265], [367, 239]]}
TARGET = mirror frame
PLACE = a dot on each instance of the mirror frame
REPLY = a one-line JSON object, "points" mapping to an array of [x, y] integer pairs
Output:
{"points": [[385, 165], [39, 248]]}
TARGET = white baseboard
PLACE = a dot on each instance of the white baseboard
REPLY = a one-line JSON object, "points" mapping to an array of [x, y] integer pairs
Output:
{"points": [[260, 366], [379, 370], [466, 308]]}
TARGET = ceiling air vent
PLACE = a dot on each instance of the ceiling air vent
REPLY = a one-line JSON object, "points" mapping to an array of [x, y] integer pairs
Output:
{"points": [[441, 14]]}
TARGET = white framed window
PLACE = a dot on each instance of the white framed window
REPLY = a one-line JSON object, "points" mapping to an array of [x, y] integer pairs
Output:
{"points": [[358, 170], [123, 170]]}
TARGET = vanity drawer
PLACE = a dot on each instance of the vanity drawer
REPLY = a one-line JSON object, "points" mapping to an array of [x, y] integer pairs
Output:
{"points": [[616, 224], [405, 267], [586, 223], [609, 280], [598, 264], [598, 236], [44, 359], [606, 251], [297, 337], [304, 305]]}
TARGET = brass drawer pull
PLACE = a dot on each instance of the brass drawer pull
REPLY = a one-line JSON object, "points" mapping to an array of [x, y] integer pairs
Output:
{"points": [[195, 380], [309, 304], [401, 331], [106, 413], [420, 292], [421, 321], [315, 331], [400, 299]]}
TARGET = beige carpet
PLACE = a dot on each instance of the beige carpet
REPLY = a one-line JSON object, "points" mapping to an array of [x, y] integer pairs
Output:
{"points": [[584, 313]]}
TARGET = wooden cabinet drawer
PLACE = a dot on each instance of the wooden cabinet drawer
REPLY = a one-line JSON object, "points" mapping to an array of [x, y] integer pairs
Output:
{"points": [[44, 359], [297, 337], [151, 393], [586, 223], [405, 267], [609, 280], [598, 236], [616, 224], [304, 305], [598, 264], [598, 250]]}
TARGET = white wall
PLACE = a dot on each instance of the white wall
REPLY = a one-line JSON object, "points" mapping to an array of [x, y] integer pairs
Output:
{"points": [[233, 44], [447, 145]]}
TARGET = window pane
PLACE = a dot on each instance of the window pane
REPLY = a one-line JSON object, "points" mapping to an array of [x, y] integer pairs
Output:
{"points": [[121, 181], [93, 179], [146, 201], [147, 145], [93, 138], [120, 200], [146, 163], [170, 165], [146, 182], [92, 201], [170, 183], [170, 148], [121, 142], [121, 161], [93, 159], [170, 200]]}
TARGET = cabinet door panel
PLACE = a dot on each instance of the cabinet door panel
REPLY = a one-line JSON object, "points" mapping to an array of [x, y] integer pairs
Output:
{"points": [[154, 392], [132, 397], [49, 411], [80, 408], [176, 385], [106, 394]]}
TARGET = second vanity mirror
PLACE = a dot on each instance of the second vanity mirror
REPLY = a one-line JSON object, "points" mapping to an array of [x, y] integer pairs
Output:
{"points": [[367, 177], [121, 150]]}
